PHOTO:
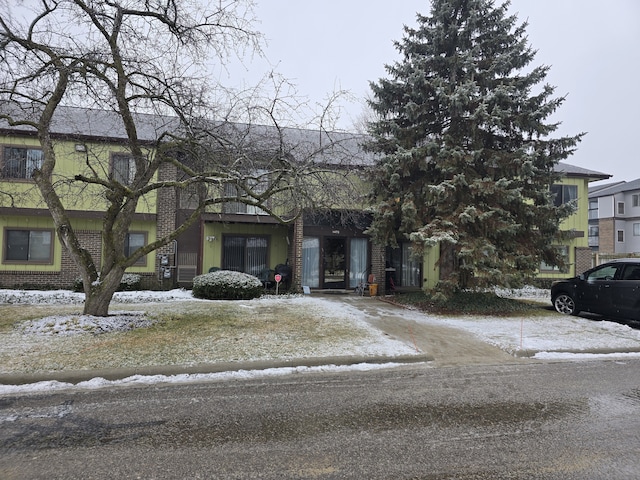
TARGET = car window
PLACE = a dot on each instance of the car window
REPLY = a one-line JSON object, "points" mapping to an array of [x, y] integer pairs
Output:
{"points": [[607, 272], [631, 272]]}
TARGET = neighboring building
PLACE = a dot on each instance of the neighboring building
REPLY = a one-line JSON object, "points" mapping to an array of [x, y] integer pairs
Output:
{"points": [[323, 250], [614, 219]]}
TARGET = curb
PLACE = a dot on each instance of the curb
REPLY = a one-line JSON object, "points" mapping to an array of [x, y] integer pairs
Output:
{"points": [[77, 376]]}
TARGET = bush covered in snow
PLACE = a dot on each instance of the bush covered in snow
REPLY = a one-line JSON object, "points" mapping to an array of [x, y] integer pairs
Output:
{"points": [[131, 282], [227, 285]]}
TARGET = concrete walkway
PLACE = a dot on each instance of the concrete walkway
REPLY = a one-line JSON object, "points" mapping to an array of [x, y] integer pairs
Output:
{"points": [[443, 346]]}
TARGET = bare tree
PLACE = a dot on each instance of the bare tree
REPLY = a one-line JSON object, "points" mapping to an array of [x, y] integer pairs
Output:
{"points": [[144, 64]]}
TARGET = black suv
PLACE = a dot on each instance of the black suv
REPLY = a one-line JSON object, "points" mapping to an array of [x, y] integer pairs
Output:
{"points": [[612, 289]]}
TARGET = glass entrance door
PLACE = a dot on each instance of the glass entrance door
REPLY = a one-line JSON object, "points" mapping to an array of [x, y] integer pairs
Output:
{"points": [[359, 254], [334, 262]]}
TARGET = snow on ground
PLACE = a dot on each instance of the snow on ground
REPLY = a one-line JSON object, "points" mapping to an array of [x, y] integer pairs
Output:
{"points": [[67, 297], [541, 337], [552, 337]]}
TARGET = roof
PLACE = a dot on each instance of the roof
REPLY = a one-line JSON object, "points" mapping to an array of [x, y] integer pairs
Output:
{"points": [[614, 188], [596, 188], [332, 148], [336, 148], [92, 123], [574, 171]]}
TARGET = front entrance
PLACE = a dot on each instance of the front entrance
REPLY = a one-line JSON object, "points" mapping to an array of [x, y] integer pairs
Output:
{"points": [[334, 262]]}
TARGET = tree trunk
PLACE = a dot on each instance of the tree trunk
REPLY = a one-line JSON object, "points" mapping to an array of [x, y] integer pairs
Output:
{"points": [[97, 304], [98, 296]]}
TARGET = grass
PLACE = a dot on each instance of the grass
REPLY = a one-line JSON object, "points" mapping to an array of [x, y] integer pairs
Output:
{"points": [[185, 333], [12, 314], [468, 303]]}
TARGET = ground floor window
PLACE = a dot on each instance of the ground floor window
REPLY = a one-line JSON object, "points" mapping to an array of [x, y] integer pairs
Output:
{"points": [[28, 246], [358, 271], [245, 254], [403, 267], [563, 250], [311, 262], [133, 242]]}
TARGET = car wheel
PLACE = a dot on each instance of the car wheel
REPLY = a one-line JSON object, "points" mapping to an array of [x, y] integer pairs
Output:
{"points": [[565, 304]]}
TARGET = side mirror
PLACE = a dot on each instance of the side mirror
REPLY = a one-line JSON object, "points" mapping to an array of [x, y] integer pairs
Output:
{"points": [[581, 276]]}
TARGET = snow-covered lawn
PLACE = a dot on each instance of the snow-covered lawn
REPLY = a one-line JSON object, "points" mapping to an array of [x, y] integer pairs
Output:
{"points": [[541, 337]]}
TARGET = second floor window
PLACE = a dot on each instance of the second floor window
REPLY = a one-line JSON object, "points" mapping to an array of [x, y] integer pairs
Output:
{"points": [[564, 194], [593, 208], [123, 168], [635, 200], [258, 185], [20, 162]]}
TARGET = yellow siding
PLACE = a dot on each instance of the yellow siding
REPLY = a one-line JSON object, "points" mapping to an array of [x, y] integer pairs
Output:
{"points": [[69, 163]]}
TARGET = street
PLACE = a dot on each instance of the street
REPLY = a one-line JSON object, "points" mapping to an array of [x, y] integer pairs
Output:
{"points": [[519, 421]]}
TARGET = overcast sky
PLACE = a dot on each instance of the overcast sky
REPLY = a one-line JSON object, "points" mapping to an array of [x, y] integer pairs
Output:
{"points": [[593, 48]]}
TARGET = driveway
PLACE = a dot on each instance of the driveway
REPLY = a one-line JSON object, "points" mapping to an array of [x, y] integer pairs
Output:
{"points": [[445, 346]]}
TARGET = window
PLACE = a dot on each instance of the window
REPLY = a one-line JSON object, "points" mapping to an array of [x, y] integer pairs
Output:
{"points": [[607, 272], [635, 200], [403, 266], [564, 194], [245, 254], [563, 251], [134, 241], [636, 229], [123, 168], [311, 262], [258, 185], [620, 208], [20, 162], [593, 208], [28, 246], [594, 236], [620, 236]]}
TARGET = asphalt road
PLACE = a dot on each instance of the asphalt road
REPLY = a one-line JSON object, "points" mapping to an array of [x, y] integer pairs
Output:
{"points": [[530, 420]]}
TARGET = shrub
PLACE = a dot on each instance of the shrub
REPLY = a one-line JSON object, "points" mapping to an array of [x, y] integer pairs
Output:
{"points": [[464, 302], [130, 282], [227, 285]]}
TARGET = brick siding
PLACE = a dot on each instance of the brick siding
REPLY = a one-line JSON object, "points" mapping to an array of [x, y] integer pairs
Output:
{"points": [[584, 259], [295, 254], [377, 267], [165, 224], [607, 235]]}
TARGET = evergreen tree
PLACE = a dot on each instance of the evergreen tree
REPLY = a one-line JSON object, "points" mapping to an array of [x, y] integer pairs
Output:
{"points": [[466, 157]]}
